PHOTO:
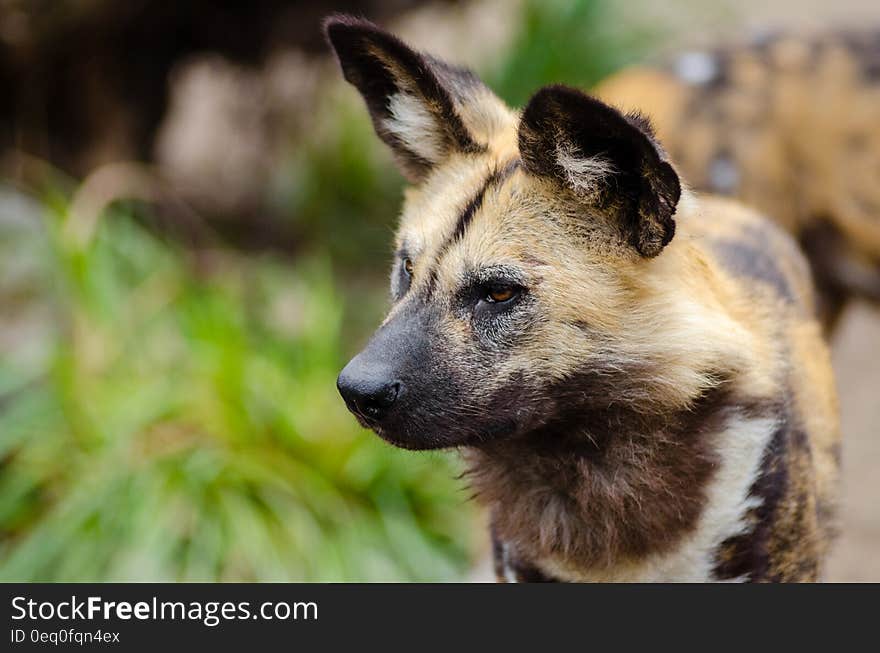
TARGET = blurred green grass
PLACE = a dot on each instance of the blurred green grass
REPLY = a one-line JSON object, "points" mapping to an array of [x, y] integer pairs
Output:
{"points": [[185, 426], [576, 43], [172, 414]]}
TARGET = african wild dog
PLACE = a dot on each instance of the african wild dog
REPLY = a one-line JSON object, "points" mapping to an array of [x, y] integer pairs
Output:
{"points": [[632, 372], [789, 125]]}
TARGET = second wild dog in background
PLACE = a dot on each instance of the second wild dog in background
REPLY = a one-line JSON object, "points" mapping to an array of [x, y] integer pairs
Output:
{"points": [[789, 125]]}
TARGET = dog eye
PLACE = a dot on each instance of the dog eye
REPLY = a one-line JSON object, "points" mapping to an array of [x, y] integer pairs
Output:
{"points": [[401, 278], [501, 294]]}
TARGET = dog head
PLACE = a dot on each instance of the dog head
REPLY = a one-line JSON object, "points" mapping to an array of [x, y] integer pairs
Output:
{"points": [[519, 287]]}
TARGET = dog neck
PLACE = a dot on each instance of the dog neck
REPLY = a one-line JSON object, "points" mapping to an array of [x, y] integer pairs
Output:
{"points": [[611, 488]]}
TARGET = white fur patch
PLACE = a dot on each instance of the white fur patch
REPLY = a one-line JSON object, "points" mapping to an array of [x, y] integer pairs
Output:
{"points": [[415, 126], [509, 574], [583, 174], [740, 447], [697, 67]]}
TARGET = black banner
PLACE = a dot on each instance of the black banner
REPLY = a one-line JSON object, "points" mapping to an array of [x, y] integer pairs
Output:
{"points": [[126, 617]]}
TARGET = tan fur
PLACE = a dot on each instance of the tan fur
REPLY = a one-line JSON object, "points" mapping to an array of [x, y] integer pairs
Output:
{"points": [[681, 313], [792, 127], [705, 441]]}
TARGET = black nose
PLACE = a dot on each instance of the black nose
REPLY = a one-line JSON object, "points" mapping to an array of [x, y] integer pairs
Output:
{"points": [[367, 393]]}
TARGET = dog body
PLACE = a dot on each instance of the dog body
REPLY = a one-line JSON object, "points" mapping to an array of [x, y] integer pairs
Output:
{"points": [[790, 126], [633, 373], [739, 484]]}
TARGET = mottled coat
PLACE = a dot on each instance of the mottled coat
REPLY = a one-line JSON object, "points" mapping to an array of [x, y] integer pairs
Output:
{"points": [[791, 126], [633, 372]]}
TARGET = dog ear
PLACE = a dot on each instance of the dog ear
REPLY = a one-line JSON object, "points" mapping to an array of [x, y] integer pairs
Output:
{"points": [[414, 100], [604, 157]]}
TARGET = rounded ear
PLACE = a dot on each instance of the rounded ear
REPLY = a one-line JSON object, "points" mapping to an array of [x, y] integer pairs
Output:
{"points": [[413, 99], [605, 158]]}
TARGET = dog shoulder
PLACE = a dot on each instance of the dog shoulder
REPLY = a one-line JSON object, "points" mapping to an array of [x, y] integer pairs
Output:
{"points": [[754, 253]]}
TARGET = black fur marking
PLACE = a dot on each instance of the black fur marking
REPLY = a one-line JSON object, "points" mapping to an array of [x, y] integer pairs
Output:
{"points": [[504, 561], [457, 80], [497, 177], [498, 562], [430, 285], [748, 555], [751, 260], [468, 214], [779, 522], [642, 122], [643, 190], [526, 572]]}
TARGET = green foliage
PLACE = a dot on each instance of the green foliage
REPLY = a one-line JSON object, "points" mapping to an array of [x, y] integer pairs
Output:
{"points": [[576, 42], [339, 185], [172, 415], [184, 425]]}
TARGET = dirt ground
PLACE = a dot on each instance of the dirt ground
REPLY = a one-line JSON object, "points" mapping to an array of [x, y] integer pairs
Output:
{"points": [[856, 353]]}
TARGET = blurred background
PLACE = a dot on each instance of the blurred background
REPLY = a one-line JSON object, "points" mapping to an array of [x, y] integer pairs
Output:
{"points": [[195, 228]]}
